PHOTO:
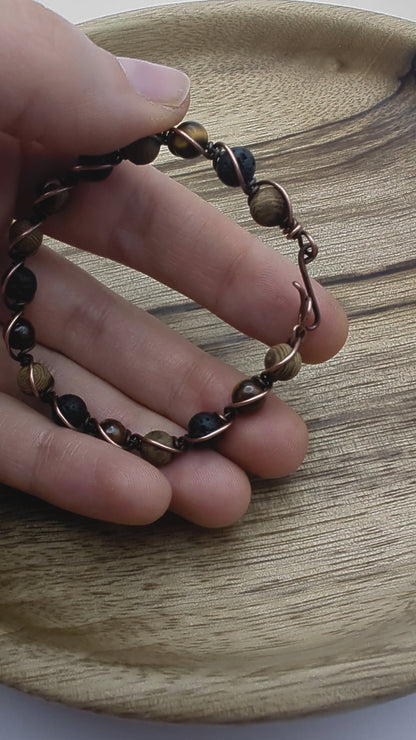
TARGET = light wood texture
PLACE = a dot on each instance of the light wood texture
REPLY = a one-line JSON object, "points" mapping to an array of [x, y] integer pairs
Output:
{"points": [[309, 603]]}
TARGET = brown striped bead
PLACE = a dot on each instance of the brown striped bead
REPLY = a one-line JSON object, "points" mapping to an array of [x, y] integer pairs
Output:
{"points": [[29, 244], [42, 379], [277, 354], [153, 454]]}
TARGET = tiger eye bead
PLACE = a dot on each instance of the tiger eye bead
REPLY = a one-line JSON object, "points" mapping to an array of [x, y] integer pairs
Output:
{"points": [[155, 455], [22, 335], [277, 354], [268, 207], [182, 148], [246, 390], [26, 245], [54, 203], [142, 151], [42, 379], [116, 431]]}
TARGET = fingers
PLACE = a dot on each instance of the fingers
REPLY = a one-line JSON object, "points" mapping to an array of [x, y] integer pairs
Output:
{"points": [[62, 91], [92, 478], [154, 367], [75, 472], [143, 219]]}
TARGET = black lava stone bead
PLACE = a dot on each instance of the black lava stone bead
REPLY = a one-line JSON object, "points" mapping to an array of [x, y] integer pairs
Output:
{"points": [[204, 423], [225, 169], [22, 335], [73, 409], [21, 286]]}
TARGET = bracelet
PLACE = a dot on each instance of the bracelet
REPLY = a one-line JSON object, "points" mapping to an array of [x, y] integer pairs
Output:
{"points": [[269, 205]]}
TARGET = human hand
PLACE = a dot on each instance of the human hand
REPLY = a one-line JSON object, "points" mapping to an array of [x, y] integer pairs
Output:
{"points": [[62, 96]]}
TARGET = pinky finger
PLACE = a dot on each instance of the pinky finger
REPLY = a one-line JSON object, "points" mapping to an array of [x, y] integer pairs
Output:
{"points": [[76, 472]]}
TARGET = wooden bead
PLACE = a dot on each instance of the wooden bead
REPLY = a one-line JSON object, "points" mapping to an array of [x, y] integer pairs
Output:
{"points": [[142, 151], [153, 454], [245, 390], [116, 431], [268, 207], [276, 354], [28, 244], [42, 379], [182, 148]]}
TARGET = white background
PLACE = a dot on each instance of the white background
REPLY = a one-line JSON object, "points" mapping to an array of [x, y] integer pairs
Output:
{"points": [[27, 718]]}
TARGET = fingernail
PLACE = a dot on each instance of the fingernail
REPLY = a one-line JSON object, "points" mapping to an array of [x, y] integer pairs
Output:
{"points": [[160, 84]]}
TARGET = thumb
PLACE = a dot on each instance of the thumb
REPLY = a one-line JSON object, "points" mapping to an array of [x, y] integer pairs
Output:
{"points": [[62, 91]]}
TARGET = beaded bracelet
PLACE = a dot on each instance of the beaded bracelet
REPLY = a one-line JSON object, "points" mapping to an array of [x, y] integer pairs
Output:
{"points": [[269, 205]]}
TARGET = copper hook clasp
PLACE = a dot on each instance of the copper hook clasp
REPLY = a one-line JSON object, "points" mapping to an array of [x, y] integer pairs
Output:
{"points": [[308, 249]]}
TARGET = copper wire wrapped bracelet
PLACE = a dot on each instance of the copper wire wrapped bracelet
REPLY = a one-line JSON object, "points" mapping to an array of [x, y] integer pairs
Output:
{"points": [[269, 205]]}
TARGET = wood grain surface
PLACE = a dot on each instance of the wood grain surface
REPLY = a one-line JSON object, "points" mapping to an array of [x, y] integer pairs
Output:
{"points": [[308, 603]]}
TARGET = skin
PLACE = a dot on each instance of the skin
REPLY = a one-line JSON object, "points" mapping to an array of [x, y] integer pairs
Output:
{"points": [[47, 118]]}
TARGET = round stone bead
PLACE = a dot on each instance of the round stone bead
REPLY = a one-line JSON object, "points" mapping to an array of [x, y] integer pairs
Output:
{"points": [[22, 335], [277, 354], [42, 379], [53, 203], [29, 244], [73, 408], [155, 455], [268, 207], [142, 151], [116, 431], [21, 286], [225, 169], [246, 390], [182, 148], [204, 423]]}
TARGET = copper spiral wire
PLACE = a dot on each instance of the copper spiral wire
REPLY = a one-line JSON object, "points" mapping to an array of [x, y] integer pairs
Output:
{"points": [[6, 335], [62, 416], [209, 435], [159, 445]]}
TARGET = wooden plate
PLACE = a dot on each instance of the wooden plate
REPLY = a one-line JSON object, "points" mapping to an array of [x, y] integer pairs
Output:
{"points": [[309, 603]]}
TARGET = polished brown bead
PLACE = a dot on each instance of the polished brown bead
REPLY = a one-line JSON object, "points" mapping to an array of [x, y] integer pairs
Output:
{"points": [[115, 431], [29, 244], [182, 148], [153, 454], [42, 379], [53, 203], [268, 207], [246, 390], [22, 335], [142, 151], [277, 354]]}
